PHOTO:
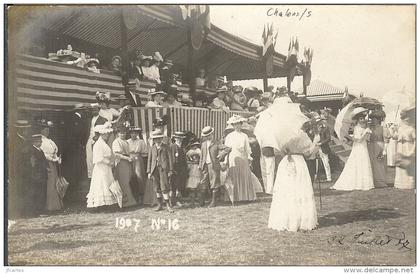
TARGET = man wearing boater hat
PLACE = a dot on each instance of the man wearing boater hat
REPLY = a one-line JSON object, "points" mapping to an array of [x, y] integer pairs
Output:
{"points": [[160, 169], [212, 152]]}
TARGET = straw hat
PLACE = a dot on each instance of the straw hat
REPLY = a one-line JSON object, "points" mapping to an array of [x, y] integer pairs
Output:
{"points": [[168, 62], [122, 97], [357, 111], [206, 131], [22, 124], [92, 60], [135, 129], [153, 92], [157, 134], [235, 119], [179, 134], [102, 129], [103, 96]]}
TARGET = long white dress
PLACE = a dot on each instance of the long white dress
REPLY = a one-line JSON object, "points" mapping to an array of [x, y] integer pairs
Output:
{"points": [[102, 177], [244, 183], [357, 173], [89, 147], [293, 205]]}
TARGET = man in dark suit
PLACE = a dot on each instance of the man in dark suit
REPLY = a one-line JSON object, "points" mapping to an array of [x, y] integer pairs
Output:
{"points": [[324, 142], [212, 152], [37, 190], [19, 168], [180, 168], [160, 169], [132, 96]]}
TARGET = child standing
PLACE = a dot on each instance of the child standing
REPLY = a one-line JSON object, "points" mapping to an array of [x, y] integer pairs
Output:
{"points": [[160, 168], [194, 173]]}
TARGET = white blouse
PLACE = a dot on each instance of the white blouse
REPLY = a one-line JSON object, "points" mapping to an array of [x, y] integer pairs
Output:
{"points": [[49, 148], [138, 146], [102, 152], [109, 113], [239, 143]]}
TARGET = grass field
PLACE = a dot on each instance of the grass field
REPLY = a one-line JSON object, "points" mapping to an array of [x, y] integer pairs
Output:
{"points": [[225, 235]]}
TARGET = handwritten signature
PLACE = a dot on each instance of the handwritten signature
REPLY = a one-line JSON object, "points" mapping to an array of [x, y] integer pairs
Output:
{"points": [[371, 238]]}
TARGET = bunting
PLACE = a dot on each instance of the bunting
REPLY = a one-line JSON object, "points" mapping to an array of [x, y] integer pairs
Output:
{"points": [[198, 16]]}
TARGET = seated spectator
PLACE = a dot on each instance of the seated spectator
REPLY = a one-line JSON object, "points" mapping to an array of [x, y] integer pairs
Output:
{"points": [[135, 71], [154, 68], [201, 79], [167, 77], [115, 65], [157, 98], [238, 100], [92, 65], [218, 102], [265, 101], [171, 98], [79, 62], [254, 94], [145, 67]]}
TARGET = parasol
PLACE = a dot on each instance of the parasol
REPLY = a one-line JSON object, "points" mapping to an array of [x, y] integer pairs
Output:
{"points": [[343, 121], [394, 102], [279, 124], [366, 102], [116, 192]]}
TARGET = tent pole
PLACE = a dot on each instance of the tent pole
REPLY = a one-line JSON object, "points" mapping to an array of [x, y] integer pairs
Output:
{"points": [[124, 53], [265, 81], [304, 86], [289, 84], [191, 66]]}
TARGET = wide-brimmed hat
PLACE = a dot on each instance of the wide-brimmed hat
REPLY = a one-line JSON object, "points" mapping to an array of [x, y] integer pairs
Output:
{"points": [[237, 89], [102, 129], [222, 89], [22, 124], [116, 57], [378, 114], [92, 60], [252, 90], [43, 123], [145, 57], [179, 134], [168, 62], [157, 57], [122, 97], [206, 131], [153, 92], [157, 134], [103, 96], [36, 136], [357, 111], [193, 142], [266, 95], [135, 129], [235, 119]]}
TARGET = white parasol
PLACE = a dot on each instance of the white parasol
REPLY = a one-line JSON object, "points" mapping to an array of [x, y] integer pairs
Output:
{"points": [[343, 121], [279, 124]]}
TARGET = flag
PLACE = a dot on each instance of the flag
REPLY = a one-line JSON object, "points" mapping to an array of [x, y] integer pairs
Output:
{"points": [[268, 40]]}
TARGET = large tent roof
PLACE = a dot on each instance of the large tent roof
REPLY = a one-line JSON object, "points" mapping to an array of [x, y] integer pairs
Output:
{"points": [[161, 28]]}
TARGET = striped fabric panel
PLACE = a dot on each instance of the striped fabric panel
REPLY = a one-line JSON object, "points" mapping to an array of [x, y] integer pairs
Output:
{"points": [[45, 85], [184, 119]]}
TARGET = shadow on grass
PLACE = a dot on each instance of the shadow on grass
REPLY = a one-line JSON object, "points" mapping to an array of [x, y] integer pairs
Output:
{"points": [[54, 229], [56, 245], [341, 218]]}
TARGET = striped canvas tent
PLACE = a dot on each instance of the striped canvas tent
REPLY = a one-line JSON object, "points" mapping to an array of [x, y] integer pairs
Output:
{"points": [[321, 91]]}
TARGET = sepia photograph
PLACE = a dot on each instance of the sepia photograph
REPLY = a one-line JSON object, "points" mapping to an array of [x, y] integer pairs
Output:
{"points": [[210, 135]]}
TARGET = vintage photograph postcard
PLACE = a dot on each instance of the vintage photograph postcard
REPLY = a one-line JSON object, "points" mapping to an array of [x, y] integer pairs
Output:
{"points": [[210, 135]]}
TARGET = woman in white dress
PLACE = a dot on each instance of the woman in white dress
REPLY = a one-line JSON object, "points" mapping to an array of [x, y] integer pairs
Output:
{"points": [[357, 173], [406, 151], [102, 177], [50, 150], [293, 205], [245, 183], [391, 137]]}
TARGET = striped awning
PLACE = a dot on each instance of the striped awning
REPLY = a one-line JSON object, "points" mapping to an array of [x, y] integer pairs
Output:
{"points": [[157, 28]]}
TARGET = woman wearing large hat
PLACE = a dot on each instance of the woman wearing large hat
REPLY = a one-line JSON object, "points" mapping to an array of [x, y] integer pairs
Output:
{"points": [[50, 150], [156, 98], [102, 176], [138, 150], [376, 148], [123, 166], [357, 173], [244, 182], [406, 151]]}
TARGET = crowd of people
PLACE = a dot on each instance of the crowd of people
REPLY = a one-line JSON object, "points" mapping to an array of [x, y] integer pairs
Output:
{"points": [[126, 169]]}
